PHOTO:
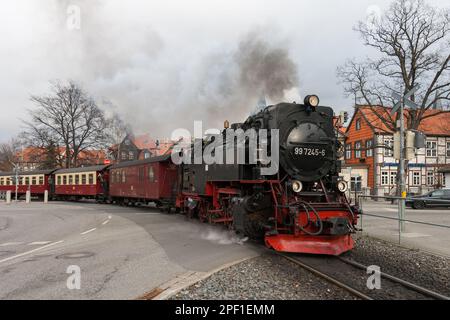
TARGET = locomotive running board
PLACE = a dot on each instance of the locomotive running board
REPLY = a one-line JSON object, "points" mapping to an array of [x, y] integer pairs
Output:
{"points": [[327, 245]]}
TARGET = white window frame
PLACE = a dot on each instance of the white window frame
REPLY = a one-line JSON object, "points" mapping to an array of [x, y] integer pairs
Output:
{"points": [[430, 178], [393, 177], [447, 152], [431, 147], [358, 149], [369, 148], [388, 143], [384, 178], [416, 178], [358, 124], [348, 151]]}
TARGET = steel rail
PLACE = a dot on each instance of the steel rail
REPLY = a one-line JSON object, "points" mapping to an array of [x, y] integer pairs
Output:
{"points": [[327, 277], [405, 283]]}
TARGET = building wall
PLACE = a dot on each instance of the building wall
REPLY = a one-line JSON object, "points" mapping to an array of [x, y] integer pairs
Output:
{"points": [[363, 165], [422, 175]]}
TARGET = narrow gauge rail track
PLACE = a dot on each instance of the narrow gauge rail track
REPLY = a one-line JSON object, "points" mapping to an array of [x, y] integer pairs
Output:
{"points": [[336, 271]]}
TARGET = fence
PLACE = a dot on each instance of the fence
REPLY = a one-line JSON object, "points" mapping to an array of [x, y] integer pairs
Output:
{"points": [[399, 219]]}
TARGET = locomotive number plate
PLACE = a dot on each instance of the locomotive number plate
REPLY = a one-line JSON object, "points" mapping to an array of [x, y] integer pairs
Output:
{"points": [[309, 152]]}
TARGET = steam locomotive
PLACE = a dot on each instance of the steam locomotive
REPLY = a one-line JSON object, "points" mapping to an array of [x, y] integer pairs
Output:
{"points": [[301, 207]]}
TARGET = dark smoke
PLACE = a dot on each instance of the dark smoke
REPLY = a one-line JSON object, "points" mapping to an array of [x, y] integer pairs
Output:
{"points": [[264, 68]]}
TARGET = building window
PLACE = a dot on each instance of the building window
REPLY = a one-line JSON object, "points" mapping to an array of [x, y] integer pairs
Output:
{"points": [[416, 178], [131, 155], [358, 124], [355, 183], [393, 177], [443, 179], [146, 155], [388, 143], [151, 174], [448, 149], [358, 149], [124, 155], [430, 178], [369, 148], [348, 151], [384, 178], [431, 148]]}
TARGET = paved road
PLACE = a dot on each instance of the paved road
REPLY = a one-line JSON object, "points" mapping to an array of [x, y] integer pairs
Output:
{"points": [[122, 252], [432, 239]]}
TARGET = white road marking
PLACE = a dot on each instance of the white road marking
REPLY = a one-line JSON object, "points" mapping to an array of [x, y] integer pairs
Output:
{"points": [[88, 231], [105, 222], [148, 213], [38, 243], [31, 251], [391, 209], [109, 217], [415, 235], [10, 244]]}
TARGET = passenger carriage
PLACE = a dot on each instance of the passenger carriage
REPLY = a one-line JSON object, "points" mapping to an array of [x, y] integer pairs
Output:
{"points": [[37, 182], [143, 181], [86, 182]]}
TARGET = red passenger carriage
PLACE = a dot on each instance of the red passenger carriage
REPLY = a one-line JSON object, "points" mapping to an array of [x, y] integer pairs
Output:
{"points": [[143, 181], [86, 182], [37, 182]]}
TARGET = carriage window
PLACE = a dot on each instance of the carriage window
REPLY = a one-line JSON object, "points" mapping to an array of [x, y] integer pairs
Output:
{"points": [[27, 181], [77, 179], [151, 174], [64, 180], [124, 178], [33, 181], [91, 178], [58, 180], [1, 181], [70, 179], [41, 180], [83, 179]]}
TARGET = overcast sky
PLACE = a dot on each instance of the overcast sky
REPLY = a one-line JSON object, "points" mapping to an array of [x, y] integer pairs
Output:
{"points": [[163, 64]]}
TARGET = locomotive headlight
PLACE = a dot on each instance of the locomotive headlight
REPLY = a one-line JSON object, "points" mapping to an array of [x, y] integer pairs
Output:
{"points": [[297, 186], [312, 100], [342, 186]]}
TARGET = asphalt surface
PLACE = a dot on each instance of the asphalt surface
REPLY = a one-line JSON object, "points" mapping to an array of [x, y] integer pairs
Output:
{"points": [[122, 252], [424, 237]]}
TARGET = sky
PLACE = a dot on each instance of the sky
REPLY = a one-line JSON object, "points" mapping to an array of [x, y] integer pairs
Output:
{"points": [[161, 65]]}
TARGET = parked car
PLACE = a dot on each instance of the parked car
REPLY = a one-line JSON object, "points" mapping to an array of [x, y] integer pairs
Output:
{"points": [[436, 198]]}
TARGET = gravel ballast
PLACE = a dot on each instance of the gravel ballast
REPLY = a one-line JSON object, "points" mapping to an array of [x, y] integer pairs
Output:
{"points": [[273, 277], [262, 278]]}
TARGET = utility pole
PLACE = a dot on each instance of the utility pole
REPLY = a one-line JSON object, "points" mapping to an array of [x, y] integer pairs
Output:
{"points": [[399, 107]]}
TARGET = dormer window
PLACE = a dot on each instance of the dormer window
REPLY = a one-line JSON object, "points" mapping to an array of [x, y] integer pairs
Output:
{"points": [[358, 124]]}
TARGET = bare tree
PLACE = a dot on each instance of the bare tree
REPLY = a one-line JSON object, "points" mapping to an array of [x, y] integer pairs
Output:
{"points": [[412, 43], [69, 118], [8, 155]]}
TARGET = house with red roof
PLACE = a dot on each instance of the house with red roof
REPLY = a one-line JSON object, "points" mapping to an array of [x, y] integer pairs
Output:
{"points": [[138, 148], [369, 162]]}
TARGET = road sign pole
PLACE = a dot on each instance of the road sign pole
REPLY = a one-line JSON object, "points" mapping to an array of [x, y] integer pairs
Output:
{"points": [[401, 203]]}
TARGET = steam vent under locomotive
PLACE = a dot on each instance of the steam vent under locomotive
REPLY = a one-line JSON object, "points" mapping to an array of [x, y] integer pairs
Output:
{"points": [[302, 207]]}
